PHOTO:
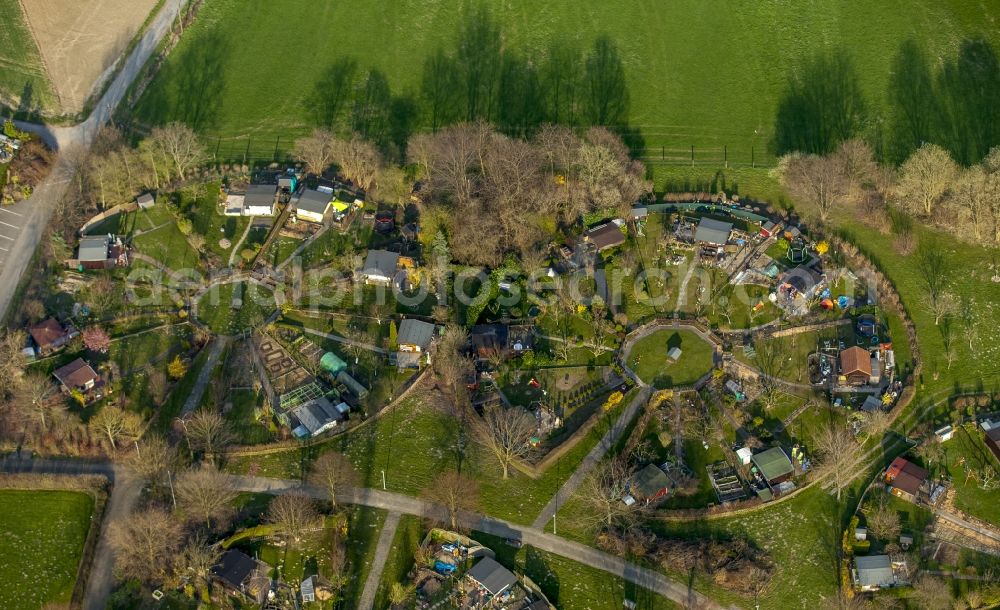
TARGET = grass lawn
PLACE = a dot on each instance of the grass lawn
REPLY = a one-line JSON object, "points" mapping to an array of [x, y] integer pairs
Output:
{"points": [[216, 311], [22, 72], [741, 305], [212, 78], [415, 442], [648, 358], [243, 421], [969, 497], [169, 246], [572, 585], [41, 540]]}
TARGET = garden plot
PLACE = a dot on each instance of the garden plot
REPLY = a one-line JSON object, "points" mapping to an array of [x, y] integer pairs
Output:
{"points": [[283, 371]]}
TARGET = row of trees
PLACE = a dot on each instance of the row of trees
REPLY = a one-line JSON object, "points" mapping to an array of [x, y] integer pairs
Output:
{"points": [[929, 184]]}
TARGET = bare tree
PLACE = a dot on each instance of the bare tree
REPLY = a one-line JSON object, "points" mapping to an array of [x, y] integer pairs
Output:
{"points": [[358, 160], [12, 360], [180, 145], [876, 422], [932, 593], [206, 495], [924, 178], [770, 360], [144, 542], [837, 451], [883, 522], [934, 275], [603, 492], [196, 560], [116, 424], [333, 472], [208, 432], [295, 514], [967, 315], [506, 433], [819, 181], [450, 362], [971, 194], [455, 492], [35, 400], [315, 151], [153, 458]]}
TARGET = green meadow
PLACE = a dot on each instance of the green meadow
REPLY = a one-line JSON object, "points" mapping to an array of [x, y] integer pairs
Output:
{"points": [[702, 74]]}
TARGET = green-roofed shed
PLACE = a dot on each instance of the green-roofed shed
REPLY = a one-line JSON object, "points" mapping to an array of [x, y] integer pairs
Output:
{"points": [[773, 465], [332, 363], [650, 483]]}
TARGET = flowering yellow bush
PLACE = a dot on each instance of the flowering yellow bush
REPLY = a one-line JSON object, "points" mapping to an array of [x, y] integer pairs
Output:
{"points": [[612, 400]]}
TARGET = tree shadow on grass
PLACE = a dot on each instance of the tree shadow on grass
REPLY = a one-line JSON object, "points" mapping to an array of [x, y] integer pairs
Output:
{"points": [[201, 80], [332, 91], [822, 106]]}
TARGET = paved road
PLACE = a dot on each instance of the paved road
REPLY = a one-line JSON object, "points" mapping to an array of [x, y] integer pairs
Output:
{"points": [[385, 539], [643, 577], [204, 375], [593, 458], [21, 226]]}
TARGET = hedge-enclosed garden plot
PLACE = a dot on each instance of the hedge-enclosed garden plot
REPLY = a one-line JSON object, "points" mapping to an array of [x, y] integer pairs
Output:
{"points": [[648, 358], [41, 541]]}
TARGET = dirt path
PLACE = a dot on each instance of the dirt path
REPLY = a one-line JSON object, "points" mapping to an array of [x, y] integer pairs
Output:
{"points": [[239, 244], [204, 375], [344, 340], [593, 458], [682, 291], [385, 539]]}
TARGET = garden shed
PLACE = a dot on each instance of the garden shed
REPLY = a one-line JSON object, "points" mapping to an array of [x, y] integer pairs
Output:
{"points": [[774, 465]]}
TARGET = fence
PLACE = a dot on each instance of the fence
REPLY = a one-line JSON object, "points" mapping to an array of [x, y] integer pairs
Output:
{"points": [[709, 156]]}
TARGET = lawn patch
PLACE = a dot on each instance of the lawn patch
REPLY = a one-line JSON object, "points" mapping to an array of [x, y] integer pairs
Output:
{"points": [[649, 358], [41, 541]]}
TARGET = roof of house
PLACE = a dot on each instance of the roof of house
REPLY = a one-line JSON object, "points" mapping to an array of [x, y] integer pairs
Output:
{"points": [[874, 570], [492, 576], [314, 201], [711, 231], [773, 463], [76, 374], [872, 403], [488, 337], [260, 195], [415, 332], [381, 263], [48, 332], [234, 568], [855, 359], [606, 235], [316, 414], [94, 248], [649, 481], [906, 476], [145, 198], [994, 434]]}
